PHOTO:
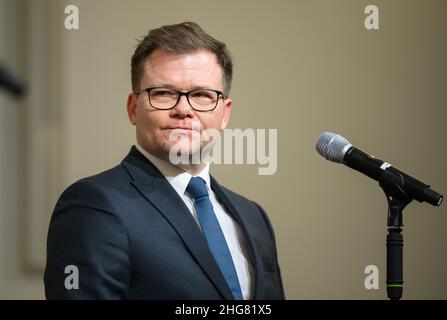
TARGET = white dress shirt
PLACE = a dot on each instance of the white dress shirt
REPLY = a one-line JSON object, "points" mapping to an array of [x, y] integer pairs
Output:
{"points": [[179, 180]]}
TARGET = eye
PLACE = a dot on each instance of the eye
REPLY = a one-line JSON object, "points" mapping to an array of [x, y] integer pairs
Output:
{"points": [[163, 93], [203, 94]]}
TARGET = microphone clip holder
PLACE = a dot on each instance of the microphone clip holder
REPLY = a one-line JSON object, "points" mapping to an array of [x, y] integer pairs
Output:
{"points": [[392, 183]]}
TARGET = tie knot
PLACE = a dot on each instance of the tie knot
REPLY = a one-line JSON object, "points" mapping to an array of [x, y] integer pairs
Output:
{"points": [[197, 188]]}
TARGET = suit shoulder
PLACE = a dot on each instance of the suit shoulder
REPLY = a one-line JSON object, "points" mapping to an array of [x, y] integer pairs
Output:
{"points": [[243, 202], [234, 194], [100, 188], [107, 178], [238, 198]]}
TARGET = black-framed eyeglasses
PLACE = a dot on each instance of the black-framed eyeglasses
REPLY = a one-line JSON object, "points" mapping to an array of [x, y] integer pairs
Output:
{"points": [[162, 98]]}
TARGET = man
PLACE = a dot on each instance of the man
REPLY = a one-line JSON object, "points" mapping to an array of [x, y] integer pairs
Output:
{"points": [[149, 229]]}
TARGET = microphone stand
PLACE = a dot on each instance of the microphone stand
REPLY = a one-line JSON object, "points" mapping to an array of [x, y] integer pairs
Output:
{"points": [[392, 184]]}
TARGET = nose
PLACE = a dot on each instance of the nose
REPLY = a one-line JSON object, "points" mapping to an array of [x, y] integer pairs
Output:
{"points": [[182, 109]]}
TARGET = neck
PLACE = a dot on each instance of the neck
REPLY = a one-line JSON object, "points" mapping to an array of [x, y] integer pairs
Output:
{"points": [[189, 166], [192, 169]]}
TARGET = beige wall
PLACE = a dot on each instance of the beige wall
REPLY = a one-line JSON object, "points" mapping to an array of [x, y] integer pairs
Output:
{"points": [[384, 90]]}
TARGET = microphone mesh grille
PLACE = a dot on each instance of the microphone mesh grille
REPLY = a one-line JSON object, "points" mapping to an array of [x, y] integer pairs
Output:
{"points": [[332, 146]]}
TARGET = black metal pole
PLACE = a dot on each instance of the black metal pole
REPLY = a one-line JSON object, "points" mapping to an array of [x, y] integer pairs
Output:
{"points": [[394, 263]]}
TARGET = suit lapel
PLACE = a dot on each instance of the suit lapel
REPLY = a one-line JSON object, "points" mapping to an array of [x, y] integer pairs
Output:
{"points": [[235, 210], [157, 190]]}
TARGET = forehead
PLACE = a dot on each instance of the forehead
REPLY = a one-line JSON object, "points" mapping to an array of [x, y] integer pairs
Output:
{"points": [[183, 71]]}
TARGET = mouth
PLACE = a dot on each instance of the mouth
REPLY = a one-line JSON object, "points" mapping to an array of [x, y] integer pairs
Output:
{"points": [[184, 127], [180, 128]]}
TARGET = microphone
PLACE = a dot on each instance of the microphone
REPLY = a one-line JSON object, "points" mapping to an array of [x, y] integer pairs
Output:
{"points": [[335, 148]]}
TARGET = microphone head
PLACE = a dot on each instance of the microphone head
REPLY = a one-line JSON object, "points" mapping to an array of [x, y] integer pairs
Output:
{"points": [[332, 146]]}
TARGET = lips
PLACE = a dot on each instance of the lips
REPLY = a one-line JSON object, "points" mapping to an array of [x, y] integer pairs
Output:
{"points": [[184, 126], [180, 127]]}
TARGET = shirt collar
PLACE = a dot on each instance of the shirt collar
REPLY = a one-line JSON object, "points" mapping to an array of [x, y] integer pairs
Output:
{"points": [[176, 176]]}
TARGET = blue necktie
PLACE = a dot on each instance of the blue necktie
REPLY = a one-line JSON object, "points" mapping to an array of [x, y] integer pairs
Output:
{"points": [[213, 234]]}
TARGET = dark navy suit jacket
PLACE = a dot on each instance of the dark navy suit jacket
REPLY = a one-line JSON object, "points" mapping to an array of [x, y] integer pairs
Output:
{"points": [[131, 236]]}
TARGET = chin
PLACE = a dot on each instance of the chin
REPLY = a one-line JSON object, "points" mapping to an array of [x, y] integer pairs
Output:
{"points": [[183, 150]]}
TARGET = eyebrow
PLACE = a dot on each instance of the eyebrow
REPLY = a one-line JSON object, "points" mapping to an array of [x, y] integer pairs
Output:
{"points": [[170, 86]]}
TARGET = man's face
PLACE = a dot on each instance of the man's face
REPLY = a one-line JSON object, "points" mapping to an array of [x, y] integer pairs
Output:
{"points": [[183, 72]]}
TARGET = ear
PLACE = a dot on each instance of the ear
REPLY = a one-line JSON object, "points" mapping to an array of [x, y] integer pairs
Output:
{"points": [[131, 108], [228, 104]]}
